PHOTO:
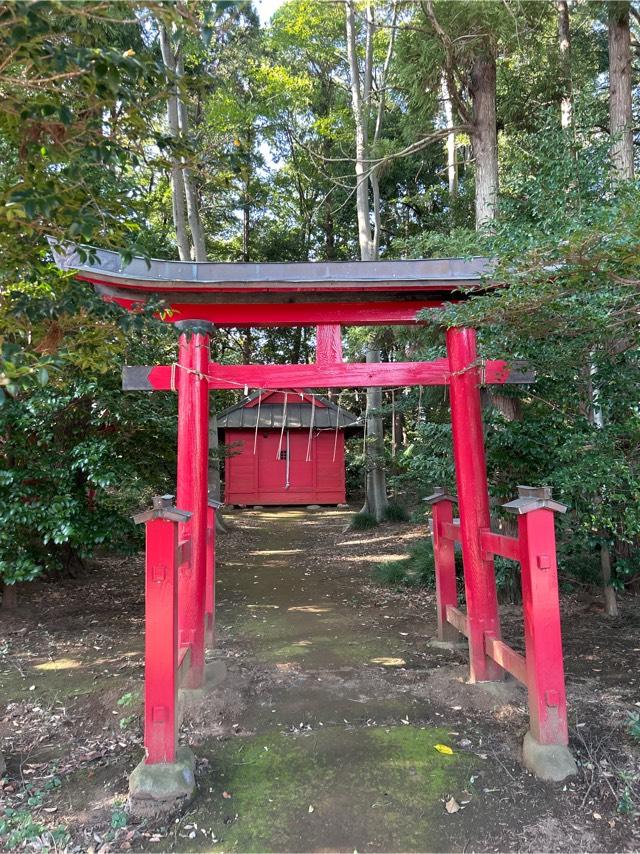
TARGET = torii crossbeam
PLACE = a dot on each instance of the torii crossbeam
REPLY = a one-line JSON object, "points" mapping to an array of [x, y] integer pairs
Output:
{"points": [[180, 548]]}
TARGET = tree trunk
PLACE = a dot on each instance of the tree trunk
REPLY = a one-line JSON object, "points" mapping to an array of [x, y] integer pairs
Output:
{"points": [[376, 500], [609, 593], [361, 85], [191, 195], [620, 115], [564, 45], [485, 138], [173, 119], [452, 166], [9, 597]]}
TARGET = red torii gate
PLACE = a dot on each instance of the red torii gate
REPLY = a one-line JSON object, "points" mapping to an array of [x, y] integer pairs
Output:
{"points": [[180, 555]]}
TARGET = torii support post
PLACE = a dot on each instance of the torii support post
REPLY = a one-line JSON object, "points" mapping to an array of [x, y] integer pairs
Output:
{"points": [[164, 779], [210, 595], [444, 562], [545, 750], [193, 463], [473, 500]]}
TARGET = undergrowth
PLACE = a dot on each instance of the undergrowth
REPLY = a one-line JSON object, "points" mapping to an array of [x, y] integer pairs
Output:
{"points": [[363, 522], [415, 570], [396, 513]]}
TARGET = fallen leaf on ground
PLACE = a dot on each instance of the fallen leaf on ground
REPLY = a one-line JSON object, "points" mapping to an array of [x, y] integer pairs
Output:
{"points": [[452, 805], [443, 748]]}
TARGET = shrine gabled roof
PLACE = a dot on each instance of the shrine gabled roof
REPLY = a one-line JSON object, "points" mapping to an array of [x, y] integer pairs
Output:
{"points": [[326, 415], [279, 294]]}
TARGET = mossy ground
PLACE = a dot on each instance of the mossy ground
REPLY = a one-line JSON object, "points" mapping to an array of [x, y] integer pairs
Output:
{"points": [[375, 788]]}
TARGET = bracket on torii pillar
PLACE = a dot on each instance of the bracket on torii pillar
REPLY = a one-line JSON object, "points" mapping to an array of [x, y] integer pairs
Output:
{"points": [[163, 508], [534, 498]]}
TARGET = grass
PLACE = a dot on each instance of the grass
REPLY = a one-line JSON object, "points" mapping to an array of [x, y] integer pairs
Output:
{"points": [[415, 570], [363, 522], [396, 513]]}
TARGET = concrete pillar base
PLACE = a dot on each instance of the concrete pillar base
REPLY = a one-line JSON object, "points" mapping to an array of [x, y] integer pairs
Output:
{"points": [[550, 762], [164, 787]]}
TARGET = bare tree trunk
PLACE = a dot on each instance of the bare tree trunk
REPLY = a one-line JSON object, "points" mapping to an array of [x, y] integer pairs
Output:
{"points": [[452, 166], [193, 208], [485, 137], [177, 183], [620, 115], [361, 90], [376, 500], [9, 597], [609, 593], [564, 45]]}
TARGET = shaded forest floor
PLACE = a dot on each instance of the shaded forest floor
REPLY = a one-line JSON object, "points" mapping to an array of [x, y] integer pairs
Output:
{"points": [[322, 735]]}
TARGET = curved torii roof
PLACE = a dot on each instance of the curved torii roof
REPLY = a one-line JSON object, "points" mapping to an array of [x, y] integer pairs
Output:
{"points": [[279, 294]]}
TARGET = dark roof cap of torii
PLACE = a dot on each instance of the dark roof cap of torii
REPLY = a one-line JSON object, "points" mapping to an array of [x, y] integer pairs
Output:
{"points": [[280, 294]]}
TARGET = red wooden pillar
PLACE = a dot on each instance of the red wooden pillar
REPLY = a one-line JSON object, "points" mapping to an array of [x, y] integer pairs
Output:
{"points": [[210, 596], [161, 629], [473, 500], [193, 464], [541, 610], [328, 344], [444, 562]]}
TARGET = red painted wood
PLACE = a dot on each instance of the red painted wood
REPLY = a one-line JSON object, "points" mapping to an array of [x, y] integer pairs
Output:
{"points": [[260, 478], [498, 544], [445, 567], [543, 640], [200, 354], [458, 619], [161, 641], [345, 375], [507, 658], [294, 314], [451, 530], [193, 452], [473, 500], [210, 597], [328, 343], [184, 481]]}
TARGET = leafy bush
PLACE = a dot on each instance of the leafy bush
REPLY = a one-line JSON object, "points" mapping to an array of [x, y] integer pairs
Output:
{"points": [[415, 570], [396, 513], [362, 522]]}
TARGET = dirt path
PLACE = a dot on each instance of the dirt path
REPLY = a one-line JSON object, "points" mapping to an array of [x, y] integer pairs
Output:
{"points": [[322, 736]]}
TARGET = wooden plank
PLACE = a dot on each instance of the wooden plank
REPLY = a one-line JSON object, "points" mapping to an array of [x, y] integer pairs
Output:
{"points": [[161, 641], [259, 314], [340, 375], [457, 619], [328, 344], [498, 544], [507, 658], [450, 530]]}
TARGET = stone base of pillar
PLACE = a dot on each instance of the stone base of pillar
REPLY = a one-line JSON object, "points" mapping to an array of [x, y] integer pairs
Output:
{"points": [[164, 787], [550, 762]]}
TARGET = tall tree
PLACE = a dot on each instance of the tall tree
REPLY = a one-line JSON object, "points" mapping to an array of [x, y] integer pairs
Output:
{"points": [[620, 105], [367, 208], [564, 48]]}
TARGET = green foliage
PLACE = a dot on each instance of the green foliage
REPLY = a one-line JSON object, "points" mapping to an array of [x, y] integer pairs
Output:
{"points": [[362, 521], [395, 512], [416, 570], [24, 827]]}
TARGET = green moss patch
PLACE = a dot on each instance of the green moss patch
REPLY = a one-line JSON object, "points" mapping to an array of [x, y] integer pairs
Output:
{"points": [[375, 788]]}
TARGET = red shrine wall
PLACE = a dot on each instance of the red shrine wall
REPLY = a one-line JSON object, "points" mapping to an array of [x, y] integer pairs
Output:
{"points": [[271, 478]]}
